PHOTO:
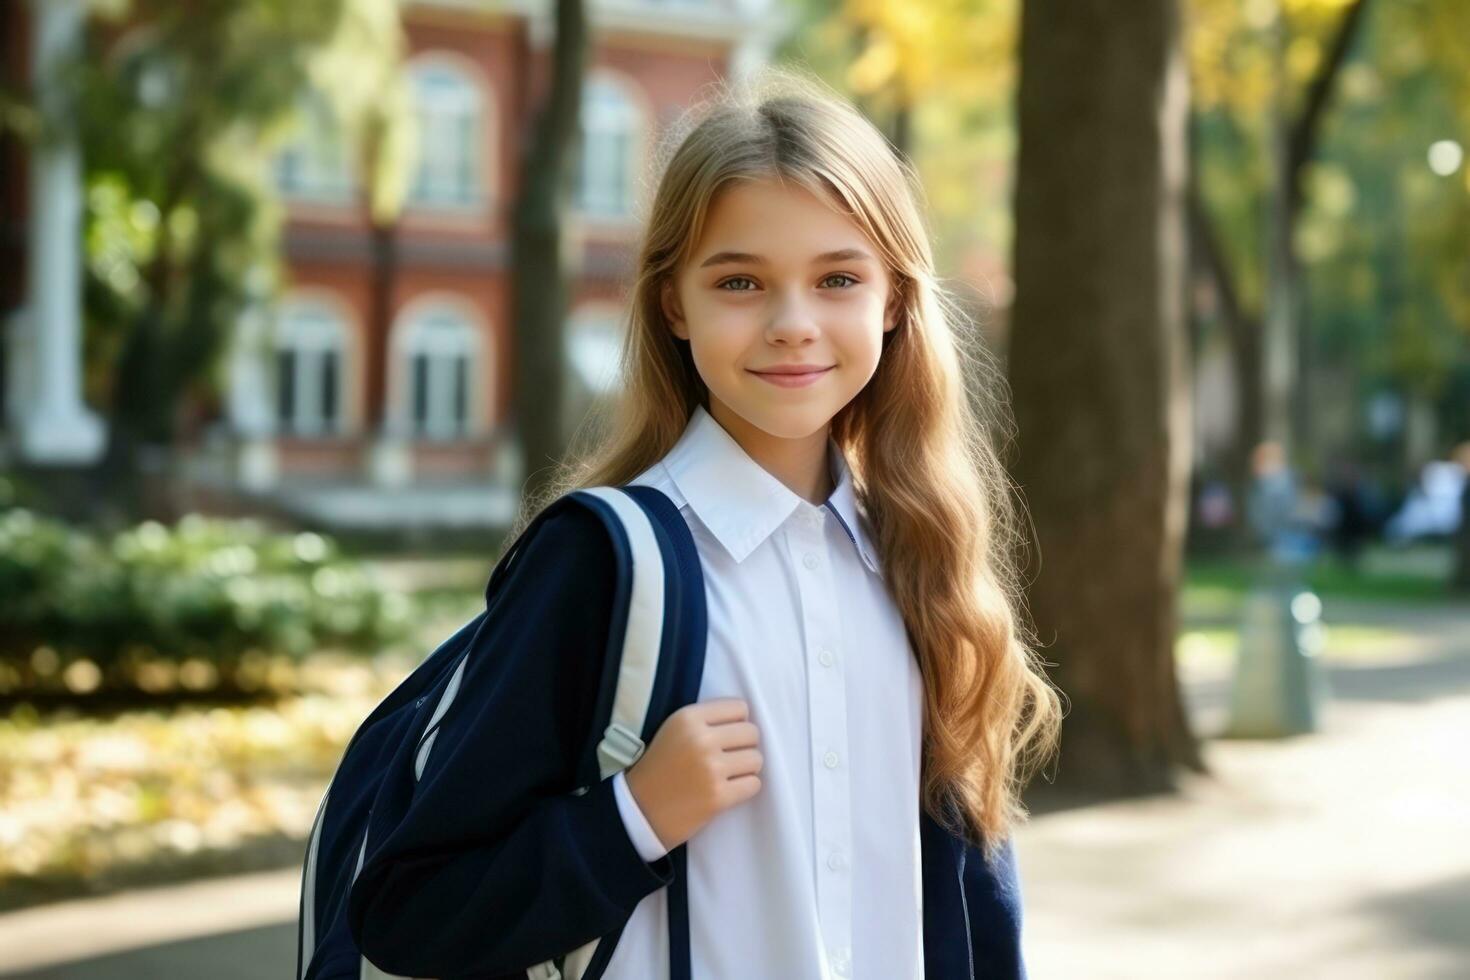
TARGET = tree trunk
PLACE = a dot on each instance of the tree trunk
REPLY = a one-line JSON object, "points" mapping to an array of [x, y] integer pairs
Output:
{"points": [[141, 402], [1243, 332], [380, 321], [538, 280], [1097, 369]]}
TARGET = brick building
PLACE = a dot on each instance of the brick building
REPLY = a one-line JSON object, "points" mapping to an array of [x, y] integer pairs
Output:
{"points": [[377, 389]]}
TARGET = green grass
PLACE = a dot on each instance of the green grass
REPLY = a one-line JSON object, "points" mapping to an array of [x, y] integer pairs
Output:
{"points": [[1214, 588], [1215, 646]]}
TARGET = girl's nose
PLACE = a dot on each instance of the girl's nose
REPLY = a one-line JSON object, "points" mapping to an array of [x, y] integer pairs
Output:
{"points": [[790, 322]]}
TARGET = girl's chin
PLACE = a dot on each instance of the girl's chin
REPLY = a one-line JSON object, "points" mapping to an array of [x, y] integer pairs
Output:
{"points": [[788, 423]]}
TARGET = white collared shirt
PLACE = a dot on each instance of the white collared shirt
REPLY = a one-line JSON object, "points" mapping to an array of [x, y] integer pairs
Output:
{"points": [[819, 874]]}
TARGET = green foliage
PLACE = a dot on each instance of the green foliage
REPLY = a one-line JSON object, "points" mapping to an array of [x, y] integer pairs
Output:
{"points": [[206, 604], [937, 76], [180, 110], [1384, 235], [1381, 238]]}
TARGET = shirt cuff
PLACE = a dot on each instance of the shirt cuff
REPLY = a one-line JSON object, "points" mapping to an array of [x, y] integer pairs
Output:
{"points": [[650, 848]]}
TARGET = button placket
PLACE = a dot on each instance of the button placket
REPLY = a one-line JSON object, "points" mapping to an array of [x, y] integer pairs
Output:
{"points": [[827, 718]]}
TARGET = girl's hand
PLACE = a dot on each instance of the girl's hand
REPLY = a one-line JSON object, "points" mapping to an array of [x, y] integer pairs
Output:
{"points": [[702, 760]]}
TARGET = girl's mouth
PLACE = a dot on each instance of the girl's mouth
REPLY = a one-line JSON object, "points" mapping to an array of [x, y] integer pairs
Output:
{"points": [[788, 380]]}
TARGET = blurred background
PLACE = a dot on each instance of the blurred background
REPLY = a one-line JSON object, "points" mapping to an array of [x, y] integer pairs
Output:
{"points": [[299, 296]]}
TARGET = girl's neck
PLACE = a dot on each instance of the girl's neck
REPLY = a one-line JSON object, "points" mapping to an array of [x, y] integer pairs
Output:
{"points": [[800, 464]]}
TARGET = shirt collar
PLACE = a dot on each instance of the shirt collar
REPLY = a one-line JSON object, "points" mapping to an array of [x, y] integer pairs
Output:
{"points": [[740, 502]]}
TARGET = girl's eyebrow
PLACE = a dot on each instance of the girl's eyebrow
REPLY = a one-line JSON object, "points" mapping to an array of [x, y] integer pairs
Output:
{"points": [[746, 258]]}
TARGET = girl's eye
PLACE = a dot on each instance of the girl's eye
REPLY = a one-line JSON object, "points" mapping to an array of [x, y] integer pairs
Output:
{"points": [[745, 279], [840, 275]]}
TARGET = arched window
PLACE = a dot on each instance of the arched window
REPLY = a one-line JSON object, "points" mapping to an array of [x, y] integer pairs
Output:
{"points": [[437, 355], [611, 134], [451, 126], [311, 353], [313, 166]]}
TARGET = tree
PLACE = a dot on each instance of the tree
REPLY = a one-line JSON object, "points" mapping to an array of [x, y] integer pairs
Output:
{"points": [[538, 279], [180, 111], [1097, 363], [1264, 77], [1383, 238], [1374, 270], [938, 77]]}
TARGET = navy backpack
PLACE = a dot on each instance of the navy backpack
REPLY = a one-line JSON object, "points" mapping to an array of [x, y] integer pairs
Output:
{"points": [[662, 660]]}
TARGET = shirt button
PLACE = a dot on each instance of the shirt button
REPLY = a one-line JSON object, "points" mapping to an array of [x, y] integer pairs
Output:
{"points": [[836, 861], [825, 658], [830, 759], [810, 561], [842, 961]]}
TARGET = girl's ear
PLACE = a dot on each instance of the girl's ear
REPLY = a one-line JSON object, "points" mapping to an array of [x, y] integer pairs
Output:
{"points": [[892, 308], [669, 300]]}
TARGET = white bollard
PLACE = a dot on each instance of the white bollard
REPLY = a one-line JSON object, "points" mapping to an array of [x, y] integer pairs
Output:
{"points": [[1279, 686]]}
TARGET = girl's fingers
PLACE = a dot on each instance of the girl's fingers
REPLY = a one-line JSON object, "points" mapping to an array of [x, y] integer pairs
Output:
{"points": [[742, 762], [736, 735], [719, 711], [742, 788]]}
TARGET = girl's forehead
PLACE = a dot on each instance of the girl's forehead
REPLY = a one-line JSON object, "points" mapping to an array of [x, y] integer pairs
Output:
{"points": [[777, 220]]}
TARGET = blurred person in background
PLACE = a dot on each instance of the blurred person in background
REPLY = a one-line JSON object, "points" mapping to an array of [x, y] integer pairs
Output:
{"points": [[1273, 507], [1433, 506], [1352, 524]]}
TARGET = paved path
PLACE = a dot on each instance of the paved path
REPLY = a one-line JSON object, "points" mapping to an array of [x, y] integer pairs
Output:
{"points": [[240, 928], [1345, 854]]}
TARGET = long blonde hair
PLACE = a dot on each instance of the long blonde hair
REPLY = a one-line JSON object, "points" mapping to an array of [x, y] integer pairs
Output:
{"points": [[920, 443]]}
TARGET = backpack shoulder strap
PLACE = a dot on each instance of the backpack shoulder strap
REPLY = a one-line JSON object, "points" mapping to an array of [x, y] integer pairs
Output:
{"points": [[623, 739], [660, 665], [662, 647]]}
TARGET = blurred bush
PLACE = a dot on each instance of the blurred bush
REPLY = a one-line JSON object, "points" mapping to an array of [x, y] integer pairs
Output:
{"points": [[206, 606]]}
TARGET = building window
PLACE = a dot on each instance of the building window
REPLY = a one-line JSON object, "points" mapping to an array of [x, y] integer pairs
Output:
{"points": [[310, 353], [610, 150], [450, 112], [438, 362], [314, 165]]}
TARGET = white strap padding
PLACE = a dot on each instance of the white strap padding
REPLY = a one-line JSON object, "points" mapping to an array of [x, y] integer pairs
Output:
{"points": [[621, 744]]}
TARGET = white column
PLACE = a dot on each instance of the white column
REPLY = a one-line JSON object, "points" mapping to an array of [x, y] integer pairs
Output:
{"points": [[54, 425], [248, 402], [390, 455]]}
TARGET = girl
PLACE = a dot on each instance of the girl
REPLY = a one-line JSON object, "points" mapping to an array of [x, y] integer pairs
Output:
{"points": [[848, 781]]}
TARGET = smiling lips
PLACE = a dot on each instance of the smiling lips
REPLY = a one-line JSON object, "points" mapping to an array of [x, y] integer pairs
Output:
{"points": [[792, 375]]}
